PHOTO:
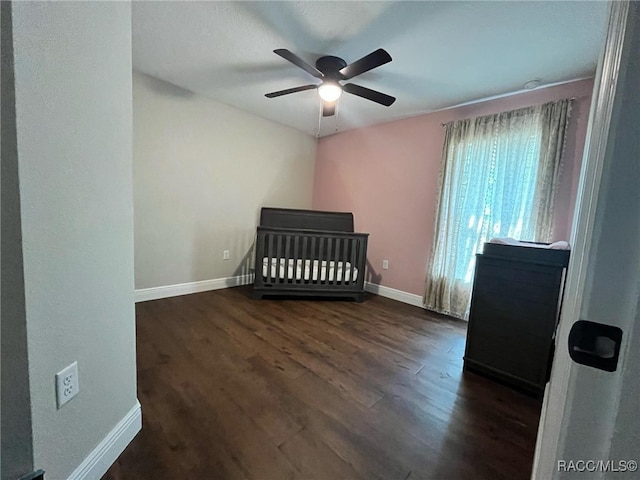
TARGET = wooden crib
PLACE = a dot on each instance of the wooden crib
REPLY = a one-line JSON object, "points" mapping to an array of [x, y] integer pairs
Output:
{"points": [[309, 253]]}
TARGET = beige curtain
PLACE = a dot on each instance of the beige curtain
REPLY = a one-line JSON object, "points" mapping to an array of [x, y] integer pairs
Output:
{"points": [[499, 178]]}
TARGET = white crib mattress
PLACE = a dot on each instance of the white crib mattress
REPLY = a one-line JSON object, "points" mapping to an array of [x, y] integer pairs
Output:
{"points": [[309, 270]]}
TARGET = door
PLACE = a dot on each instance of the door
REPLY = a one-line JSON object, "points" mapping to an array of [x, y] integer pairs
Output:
{"points": [[590, 424]]}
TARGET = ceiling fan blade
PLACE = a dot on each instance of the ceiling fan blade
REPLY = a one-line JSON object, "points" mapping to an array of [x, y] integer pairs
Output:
{"points": [[279, 93], [293, 58], [369, 94], [328, 109], [366, 63]]}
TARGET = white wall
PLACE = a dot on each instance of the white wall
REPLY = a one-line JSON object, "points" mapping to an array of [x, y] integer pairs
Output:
{"points": [[74, 147], [202, 170], [601, 420]]}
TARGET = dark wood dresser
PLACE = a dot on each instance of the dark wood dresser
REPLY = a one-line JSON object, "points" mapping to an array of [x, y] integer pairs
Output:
{"points": [[515, 307]]}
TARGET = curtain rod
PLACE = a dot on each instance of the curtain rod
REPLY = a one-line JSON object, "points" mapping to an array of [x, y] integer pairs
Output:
{"points": [[442, 124]]}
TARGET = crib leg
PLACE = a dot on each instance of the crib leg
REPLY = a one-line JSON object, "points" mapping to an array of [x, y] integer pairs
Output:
{"points": [[257, 295], [359, 298]]}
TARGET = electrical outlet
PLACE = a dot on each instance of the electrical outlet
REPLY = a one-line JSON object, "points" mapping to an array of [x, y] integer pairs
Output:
{"points": [[67, 385], [385, 264], [225, 254]]}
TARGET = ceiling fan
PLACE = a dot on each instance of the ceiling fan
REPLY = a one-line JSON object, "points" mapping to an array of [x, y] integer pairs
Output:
{"points": [[332, 70]]}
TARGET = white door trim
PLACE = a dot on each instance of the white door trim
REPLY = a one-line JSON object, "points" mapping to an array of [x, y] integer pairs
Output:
{"points": [[560, 388]]}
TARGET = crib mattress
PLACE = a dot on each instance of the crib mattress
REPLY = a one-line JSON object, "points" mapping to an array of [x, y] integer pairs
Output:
{"points": [[312, 270]]}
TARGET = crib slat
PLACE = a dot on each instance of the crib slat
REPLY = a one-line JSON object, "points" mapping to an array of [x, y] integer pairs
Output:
{"points": [[330, 279], [296, 239], [320, 258], [274, 257], [278, 257], [354, 247], [346, 274], [287, 256], [312, 256], [337, 274], [268, 238], [303, 258], [362, 251]]}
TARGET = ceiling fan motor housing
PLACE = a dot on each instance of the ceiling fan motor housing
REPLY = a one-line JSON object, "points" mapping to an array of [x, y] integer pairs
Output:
{"points": [[331, 66]]}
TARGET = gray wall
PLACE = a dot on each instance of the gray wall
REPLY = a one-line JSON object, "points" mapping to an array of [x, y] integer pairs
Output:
{"points": [[202, 170], [626, 440], [17, 450], [615, 287], [74, 129]]}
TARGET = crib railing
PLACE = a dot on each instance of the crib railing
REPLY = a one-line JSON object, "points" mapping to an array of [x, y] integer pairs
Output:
{"points": [[298, 261]]}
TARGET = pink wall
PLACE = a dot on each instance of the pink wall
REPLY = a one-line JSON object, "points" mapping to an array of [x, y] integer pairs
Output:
{"points": [[387, 175]]}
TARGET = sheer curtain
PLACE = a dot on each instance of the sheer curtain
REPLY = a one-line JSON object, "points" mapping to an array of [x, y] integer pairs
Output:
{"points": [[499, 179]]}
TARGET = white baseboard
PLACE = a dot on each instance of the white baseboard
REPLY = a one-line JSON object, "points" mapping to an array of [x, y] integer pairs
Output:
{"points": [[154, 293], [109, 449], [399, 295]]}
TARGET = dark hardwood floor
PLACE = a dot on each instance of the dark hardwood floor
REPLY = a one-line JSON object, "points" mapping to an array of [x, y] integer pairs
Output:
{"points": [[236, 388]]}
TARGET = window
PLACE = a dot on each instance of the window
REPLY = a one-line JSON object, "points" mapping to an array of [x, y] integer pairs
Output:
{"points": [[502, 206], [499, 179]]}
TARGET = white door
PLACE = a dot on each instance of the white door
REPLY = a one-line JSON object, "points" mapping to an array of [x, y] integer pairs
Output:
{"points": [[590, 424]]}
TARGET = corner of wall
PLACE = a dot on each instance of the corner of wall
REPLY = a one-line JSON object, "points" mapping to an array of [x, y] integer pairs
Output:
{"points": [[17, 441]]}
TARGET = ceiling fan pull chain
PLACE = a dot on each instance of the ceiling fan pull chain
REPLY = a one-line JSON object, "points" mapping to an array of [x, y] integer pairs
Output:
{"points": [[319, 117]]}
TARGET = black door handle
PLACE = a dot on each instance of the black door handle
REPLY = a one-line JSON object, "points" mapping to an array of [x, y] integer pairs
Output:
{"points": [[595, 344]]}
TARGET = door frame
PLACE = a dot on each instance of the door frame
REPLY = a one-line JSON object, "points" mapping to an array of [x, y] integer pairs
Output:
{"points": [[559, 391]]}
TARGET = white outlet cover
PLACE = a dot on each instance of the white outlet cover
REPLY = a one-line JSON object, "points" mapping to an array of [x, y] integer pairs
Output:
{"points": [[385, 264], [67, 385]]}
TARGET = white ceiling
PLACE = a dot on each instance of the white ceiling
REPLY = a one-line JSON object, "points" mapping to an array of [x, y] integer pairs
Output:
{"points": [[444, 53]]}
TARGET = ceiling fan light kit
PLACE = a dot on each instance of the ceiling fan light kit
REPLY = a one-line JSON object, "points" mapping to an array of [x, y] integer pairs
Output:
{"points": [[332, 70], [329, 91]]}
